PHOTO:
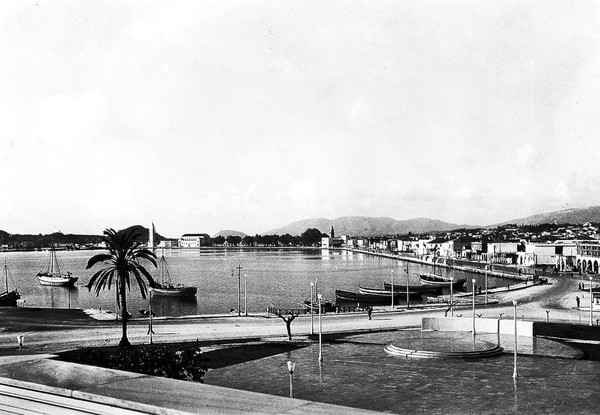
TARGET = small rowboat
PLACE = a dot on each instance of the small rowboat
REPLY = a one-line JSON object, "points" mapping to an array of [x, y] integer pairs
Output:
{"points": [[366, 299], [421, 289], [431, 279], [387, 293], [326, 307]]}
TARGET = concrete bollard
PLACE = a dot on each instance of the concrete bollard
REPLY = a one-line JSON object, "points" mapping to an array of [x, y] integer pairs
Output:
{"points": [[20, 339]]}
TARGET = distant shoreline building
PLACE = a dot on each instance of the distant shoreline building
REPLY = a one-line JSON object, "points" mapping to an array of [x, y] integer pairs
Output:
{"points": [[194, 240], [331, 241]]}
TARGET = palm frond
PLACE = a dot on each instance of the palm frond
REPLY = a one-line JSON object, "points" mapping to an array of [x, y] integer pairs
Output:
{"points": [[96, 259]]}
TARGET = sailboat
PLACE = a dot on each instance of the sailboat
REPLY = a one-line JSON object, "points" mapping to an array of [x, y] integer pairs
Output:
{"points": [[52, 276], [164, 286], [8, 298]]}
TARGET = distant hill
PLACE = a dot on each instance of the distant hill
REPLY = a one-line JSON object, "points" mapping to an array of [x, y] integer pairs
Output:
{"points": [[226, 233], [366, 226], [573, 216], [145, 234]]}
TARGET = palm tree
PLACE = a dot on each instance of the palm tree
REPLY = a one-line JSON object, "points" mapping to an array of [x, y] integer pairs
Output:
{"points": [[122, 260]]}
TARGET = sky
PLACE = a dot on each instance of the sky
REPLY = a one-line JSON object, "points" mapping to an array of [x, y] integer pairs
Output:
{"points": [[248, 115]]}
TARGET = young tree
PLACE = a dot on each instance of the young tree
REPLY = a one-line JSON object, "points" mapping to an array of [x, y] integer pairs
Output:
{"points": [[122, 261], [288, 322]]}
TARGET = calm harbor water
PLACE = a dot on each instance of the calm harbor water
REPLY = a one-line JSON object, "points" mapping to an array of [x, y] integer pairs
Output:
{"points": [[278, 278]]}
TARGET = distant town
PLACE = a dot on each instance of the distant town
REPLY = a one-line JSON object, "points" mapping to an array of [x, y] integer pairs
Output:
{"points": [[565, 247]]}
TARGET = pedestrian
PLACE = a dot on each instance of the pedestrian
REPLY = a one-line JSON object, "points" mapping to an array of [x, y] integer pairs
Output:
{"points": [[577, 299], [370, 311]]}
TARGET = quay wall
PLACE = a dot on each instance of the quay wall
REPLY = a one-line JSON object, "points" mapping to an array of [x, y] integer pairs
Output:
{"points": [[473, 269]]}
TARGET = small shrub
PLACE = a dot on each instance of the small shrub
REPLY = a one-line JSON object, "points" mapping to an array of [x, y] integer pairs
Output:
{"points": [[181, 361]]}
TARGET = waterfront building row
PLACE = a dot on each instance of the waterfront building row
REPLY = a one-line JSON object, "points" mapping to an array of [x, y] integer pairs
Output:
{"points": [[561, 255]]}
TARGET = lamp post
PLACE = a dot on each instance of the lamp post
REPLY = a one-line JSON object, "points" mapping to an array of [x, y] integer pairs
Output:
{"points": [[451, 296], [486, 284], [407, 285], [239, 268], [591, 301], [245, 295], [473, 280], [392, 290], [291, 366], [319, 297], [312, 309], [515, 352]]}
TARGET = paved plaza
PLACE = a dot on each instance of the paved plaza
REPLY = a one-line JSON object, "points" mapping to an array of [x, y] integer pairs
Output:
{"points": [[356, 372]]}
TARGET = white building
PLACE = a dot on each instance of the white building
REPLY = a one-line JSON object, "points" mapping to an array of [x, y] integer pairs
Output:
{"points": [[193, 240]]}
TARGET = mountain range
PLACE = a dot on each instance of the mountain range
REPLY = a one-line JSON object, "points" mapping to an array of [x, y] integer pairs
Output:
{"points": [[366, 226], [369, 226], [346, 225], [565, 216]]}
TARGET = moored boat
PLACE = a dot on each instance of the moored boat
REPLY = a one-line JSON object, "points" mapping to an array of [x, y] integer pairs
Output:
{"points": [[432, 279], [366, 299], [421, 289], [326, 307], [8, 298], [164, 286], [387, 292], [52, 276]]}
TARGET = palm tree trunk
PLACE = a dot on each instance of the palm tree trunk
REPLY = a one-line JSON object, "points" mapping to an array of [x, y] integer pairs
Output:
{"points": [[124, 341]]}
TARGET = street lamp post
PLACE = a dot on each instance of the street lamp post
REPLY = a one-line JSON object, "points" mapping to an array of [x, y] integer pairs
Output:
{"points": [[452, 296], [486, 284], [319, 297], [392, 290], [239, 268], [515, 352], [473, 280], [291, 366], [591, 301], [312, 308], [407, 285], [245, 295]]}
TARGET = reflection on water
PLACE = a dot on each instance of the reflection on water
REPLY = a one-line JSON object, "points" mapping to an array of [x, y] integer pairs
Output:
{"points": [[174, 306], [58, 297]]}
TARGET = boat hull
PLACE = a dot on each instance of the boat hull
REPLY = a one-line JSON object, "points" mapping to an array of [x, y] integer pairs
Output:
{"points": [[9, 299], [430, 279], [366, 299], [387, 293], [55, 280], [326, 307], [421, 289], [174, 291]]}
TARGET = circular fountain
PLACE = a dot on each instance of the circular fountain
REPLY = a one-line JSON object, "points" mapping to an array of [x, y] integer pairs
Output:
{"points": [[443, 346]]}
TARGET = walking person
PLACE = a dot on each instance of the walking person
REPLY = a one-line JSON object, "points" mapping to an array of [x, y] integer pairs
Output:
{"points": [[577, 299], [370, 311]]}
